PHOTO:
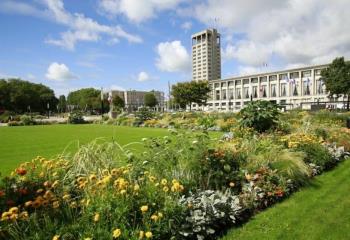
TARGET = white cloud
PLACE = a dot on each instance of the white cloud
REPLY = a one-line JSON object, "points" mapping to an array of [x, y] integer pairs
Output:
{"points": [[116, 87], [143, 76], [186, 25], [136, 10], [173, 57], [80, 27], [59, 72], [31, 77], [296, 32]]}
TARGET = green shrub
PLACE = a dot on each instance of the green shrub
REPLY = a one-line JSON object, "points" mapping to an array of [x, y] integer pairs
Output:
{"points": [[144, 114], [76, 118], [27, 120], [260, 115], [318, 155]]}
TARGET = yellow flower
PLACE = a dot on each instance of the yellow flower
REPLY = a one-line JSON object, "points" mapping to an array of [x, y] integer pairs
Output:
{"points": [[165, 189], [96, 217], [55, 204], [66, 197], [92, 177], [114, 171], [144, 208], [154, 217], [24, 215], [28, 204], [149, 234], [136, 187], [160, 215], [141, 234], [13, 210], [87, 238], [117, 232], [164, 182], [56, 237], [123, 191], [232, 184]]}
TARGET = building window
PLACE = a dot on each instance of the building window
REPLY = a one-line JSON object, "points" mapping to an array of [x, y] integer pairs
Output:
{"points": [[273, 77], [306, 74], [217, 95], [317, 72], [230, 94], [283, 76], [273, 90], [223, 92], [217, 85], [238, 93], [295, 87], [230, 83], [255, 91], [238, 82], [263, 79], [263, 91], [254, 80], [294, 75], [306, 87], [245, 81], [246, 92], [223, 84], [283, 90], [319, 86]]}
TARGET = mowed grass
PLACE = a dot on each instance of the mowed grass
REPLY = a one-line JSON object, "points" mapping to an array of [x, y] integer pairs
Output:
{"points": [[20, 144], [320, 211]]}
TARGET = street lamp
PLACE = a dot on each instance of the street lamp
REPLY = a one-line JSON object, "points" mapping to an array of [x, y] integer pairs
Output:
{"points": [[101, 101], [48, 110]]}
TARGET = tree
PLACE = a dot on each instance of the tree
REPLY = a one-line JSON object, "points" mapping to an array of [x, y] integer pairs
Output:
{"points": [[150, 100], [18, 95], [337, 78], [85, 99], [187, 93], [62, 103], [118, 102]]}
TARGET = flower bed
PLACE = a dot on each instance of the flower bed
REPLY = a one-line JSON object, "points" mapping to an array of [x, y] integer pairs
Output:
{"points": [[183, 186]]}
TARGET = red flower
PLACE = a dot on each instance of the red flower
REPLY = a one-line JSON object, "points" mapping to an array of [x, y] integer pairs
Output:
{"points": [[23, 191], [279, 193], [21, 171], [10, 203], [2, 193]]}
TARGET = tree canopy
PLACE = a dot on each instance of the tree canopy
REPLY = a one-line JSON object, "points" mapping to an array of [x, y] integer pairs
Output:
{"points": [[337, 78], [85, 99], [19, 96], [118, 102], [186, 93], [62, 103], [150, 99]]}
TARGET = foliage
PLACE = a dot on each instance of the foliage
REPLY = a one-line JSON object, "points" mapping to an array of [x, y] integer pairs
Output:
{"points": [[27, 120], [144, 114], [337, 78], [150, 100], [187, 93], [17, 95], [86, 99], [208, 213], [62, 104], [118, 102], [76, 117], [260, 115]]}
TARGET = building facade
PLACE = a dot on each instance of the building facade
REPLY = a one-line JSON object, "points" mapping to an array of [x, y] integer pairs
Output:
{"points": [[135, 99], [301, 87], [206, 56]]}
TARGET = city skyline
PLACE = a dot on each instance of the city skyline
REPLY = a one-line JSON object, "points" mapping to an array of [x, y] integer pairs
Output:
{"points": [[144, 44]]}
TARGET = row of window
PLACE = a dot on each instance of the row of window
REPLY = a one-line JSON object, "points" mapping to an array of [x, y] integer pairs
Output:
{"points": [[294, 90]]}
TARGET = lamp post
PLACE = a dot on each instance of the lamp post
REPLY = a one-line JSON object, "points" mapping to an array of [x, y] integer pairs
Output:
{"points": [[48, 110], [101, 101]]}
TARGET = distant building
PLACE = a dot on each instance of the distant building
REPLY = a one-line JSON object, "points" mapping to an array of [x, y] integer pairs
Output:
{"points": [[206, 57], [135, 99], [299, 87]]}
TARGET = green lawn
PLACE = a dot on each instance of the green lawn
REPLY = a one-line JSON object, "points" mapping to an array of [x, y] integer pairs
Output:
{"points": [[320, 211], [20, 144]]}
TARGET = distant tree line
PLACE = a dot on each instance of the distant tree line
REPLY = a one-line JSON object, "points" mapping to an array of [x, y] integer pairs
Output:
{"points": [[22, 96], [87, 99]]}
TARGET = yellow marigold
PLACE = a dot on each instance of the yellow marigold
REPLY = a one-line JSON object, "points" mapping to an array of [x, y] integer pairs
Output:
{"points": [[23, 215], [56, 237], [152, 178], [39, 191], [164, 182], [160, 215], [144, 208], [141, 234], [106, 179], [28, 203], [154, 217], [148, 234], [114, 172], [123, 191], [165, 189], [105, 172], [13, 217], [96, 217], [92, 177], [116, 233], [55, 204], [66, 197], [13, 210]]}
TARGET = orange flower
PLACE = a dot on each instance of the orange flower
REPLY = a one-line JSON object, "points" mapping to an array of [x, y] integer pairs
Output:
{"points": [[21, 171]]}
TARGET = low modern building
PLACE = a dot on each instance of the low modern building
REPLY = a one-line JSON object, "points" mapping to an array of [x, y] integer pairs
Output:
{"points": [[299, 87], [135, 99]]}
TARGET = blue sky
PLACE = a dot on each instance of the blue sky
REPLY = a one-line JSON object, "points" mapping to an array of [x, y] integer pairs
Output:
{"points": [[143, 44]]}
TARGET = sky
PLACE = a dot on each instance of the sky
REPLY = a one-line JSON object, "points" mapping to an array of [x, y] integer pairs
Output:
{"points": [[146, 44]]}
